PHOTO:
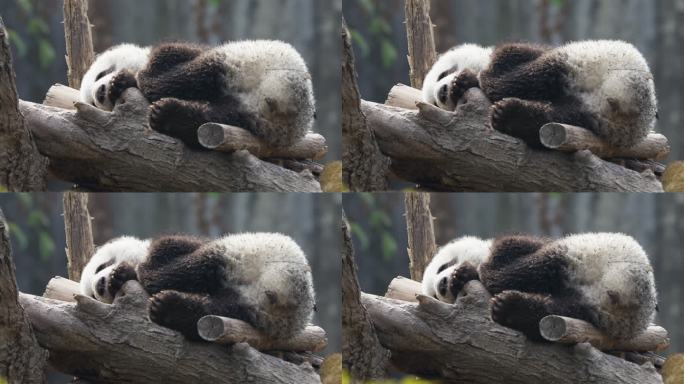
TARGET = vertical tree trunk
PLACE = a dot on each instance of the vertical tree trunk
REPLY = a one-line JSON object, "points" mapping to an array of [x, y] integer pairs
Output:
{"points": [[421, 40], [22, 360], [79, 40], [22, 168], [79, 233], [365, 168], [421, 233]]}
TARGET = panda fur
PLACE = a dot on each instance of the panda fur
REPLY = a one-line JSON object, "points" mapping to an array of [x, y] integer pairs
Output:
{"points": [[603, 278], [261, 278], [446, 81], [263, 86]]}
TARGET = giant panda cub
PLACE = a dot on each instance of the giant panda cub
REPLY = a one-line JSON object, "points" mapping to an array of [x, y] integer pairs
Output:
{"points": [[263, 86], [603, 278], [261, 278], [605, 86]]}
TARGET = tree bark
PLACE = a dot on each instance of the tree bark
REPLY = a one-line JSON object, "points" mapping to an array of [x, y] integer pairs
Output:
{"points": [[22, 360], [79, 40], [363, 355], [22, 168], [460, 343], [117, 343], [456, 151], [79, 233], [114, 151], [421, 40], [421, 233], [365, 168]]}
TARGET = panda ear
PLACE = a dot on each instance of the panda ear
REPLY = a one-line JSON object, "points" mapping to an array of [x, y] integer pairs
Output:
{"points": [[272, 297], [614, 297]]}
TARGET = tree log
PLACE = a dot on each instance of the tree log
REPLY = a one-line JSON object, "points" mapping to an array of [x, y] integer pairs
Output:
{"points": [[573, 331], [403, 96], [421, 40], [79, 233], [22, 168], [228, 138], [363, 355], [456, 151], [365, 168], [79, 40], [116, 152], [421, 233], [224, 330], [59, 288], [401, 288], [568, 138], [61, 96], [22, 360], [460, 343], [117, 343]]}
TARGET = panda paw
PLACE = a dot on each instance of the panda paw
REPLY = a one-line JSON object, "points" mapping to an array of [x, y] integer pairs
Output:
{"points": [[119, 276], [177, 311], [178, 118], [520, 118], [119, 83], [461, 276], [521, 311], [463, 82]]}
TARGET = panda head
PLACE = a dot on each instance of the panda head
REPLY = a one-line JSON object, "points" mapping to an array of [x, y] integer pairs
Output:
{"points": [[95, 82], [437, 276], [95, 275], [437, 83]]}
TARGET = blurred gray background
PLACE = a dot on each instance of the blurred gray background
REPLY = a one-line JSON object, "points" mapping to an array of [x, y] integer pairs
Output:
{"points": [[654, 27], [38, 48], [655, 221], [38, 240]]}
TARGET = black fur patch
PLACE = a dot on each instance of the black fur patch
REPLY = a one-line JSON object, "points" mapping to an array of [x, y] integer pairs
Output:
{"points": [[461, 276], [119, 276], [463, 82], [179, 311], [521, 118], [179, 118], [119, 83], [521, 311]]}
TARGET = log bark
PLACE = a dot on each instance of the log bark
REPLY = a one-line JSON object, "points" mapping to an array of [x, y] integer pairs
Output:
{"points": [[421, 40], [566, 330], [22, 168], [568, 138], [79, 40], [117, 343], [363, 355], [115, 151], [61, 96], [59, 288], [365, 168], [224, 330], [460, 343], [456, 151], [401, 288], [22, 360], [228, 138], [79, 233], [421, 233]]}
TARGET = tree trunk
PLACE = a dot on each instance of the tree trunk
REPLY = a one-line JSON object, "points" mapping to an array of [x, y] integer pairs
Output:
{"points": [[79, 40], [365, 168], [22, 168], [363, 355], [421, 233], [79, 233], [421, 40], [22, 360]]}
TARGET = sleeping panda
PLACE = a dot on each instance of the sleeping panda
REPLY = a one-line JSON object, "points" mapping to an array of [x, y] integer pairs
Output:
{"points": [[263, 86], [605, 86], [261, 278], [605, 279]]}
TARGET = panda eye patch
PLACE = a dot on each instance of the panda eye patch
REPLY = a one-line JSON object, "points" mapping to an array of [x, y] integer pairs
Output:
{"points": [[442, 75], [104, 265], [443, 267], [103, 73]]}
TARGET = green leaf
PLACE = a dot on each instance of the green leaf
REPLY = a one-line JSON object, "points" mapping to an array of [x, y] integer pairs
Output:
{"points": [[388, 53], [37, 219], [389, 246], [379, 26], [37, 27], [357, 231], [379, 219], [46, 246], [558, 3], [19, 235], [18, 42], [215, 3], [367, 5], [359, 41], [46, 54], [25, 6]]}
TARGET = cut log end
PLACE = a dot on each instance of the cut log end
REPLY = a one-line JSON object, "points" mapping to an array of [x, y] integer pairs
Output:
{"points": [[552, 135], [211, 135], [552, 328], [210, 328]]}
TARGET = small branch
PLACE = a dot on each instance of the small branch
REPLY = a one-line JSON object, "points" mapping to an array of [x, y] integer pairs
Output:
{"points": [[573, 331], [117, 152], [403, 289], [568, 138], [421, 233], [79, 40], [458, 151], [403, 96], [59, 288], [61, 96], [79, 233], [421, 40], [228, 138], [225, 330]]}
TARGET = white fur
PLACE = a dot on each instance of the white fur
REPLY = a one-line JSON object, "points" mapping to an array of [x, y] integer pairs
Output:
{"points": [[466, 56], [464, 249], [122, 249], [111, 61], [615, 84]]}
